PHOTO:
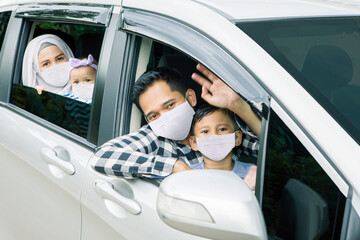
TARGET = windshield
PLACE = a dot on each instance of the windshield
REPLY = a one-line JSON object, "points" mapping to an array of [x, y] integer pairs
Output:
{"points": [[323, 55]]}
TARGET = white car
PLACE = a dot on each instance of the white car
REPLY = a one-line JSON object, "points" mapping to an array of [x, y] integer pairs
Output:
{"points": [[296, 61]]}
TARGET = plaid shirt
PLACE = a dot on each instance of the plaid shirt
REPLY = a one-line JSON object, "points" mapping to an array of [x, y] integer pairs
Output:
{"points": [[143, 154]]}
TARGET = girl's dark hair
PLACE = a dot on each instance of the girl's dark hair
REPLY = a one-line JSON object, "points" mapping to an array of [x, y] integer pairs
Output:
{"points": [[205, 110], [169, 75]]}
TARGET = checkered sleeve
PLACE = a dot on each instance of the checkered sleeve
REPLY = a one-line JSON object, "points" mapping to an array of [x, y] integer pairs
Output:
{"points": [[250, 142], [250, 145], [131, 156]]}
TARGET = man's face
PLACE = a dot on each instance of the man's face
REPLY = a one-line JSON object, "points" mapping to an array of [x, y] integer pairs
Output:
{"points": [[159, 99]]}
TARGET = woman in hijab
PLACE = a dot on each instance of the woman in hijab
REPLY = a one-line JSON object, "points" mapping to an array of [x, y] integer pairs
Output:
{"points": [[46, 64]]}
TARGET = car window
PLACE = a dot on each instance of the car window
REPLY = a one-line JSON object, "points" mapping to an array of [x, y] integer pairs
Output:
{"points": [[4, 19], [300, 201], [162, 55], [64, 110], [322, 54]]}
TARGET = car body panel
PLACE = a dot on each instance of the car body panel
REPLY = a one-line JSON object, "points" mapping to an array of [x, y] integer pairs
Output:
{"points": [[47, 203], [103, 211], [39, 199]]}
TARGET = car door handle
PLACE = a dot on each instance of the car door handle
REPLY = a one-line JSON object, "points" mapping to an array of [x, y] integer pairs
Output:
{"points": [[106, 191], [50, 156]]}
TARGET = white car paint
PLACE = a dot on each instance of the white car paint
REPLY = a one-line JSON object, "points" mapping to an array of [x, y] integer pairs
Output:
{"points": [[36, 196], [22, 140]]}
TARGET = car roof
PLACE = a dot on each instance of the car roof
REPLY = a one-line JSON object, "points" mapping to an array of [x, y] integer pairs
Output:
{"points": [[234, 10], [274, 9]]}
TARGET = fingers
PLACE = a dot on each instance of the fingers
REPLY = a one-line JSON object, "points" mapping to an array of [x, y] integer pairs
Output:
{"points": [[40, 89], [201, 80], [206, 95], [212, 77]]}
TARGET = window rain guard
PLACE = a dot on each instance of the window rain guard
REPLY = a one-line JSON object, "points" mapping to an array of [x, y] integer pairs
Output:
{"points": [[151, 25], [96, 14]]}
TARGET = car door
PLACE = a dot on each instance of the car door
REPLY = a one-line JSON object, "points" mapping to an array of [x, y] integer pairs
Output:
{"points": [[128, 206], [290, 164], [114, 207], [45, 139], [305, 172]]}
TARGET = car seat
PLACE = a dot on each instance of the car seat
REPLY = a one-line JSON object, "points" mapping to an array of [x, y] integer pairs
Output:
{"points": [[303, 213], [186, 67], [328, 68], [68, 39]]}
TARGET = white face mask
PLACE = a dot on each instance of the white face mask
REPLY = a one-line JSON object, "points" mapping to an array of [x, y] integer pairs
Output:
{"points": [[83, 91], [216, 147], [174, 124], [58, 75]]}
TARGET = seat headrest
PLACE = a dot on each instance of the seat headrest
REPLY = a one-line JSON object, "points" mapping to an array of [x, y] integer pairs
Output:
{"points": [[89, 43], [328, 67], [67, 38]]}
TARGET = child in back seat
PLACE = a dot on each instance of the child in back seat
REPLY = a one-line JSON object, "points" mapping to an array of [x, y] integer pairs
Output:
{"points": [[82, 77]]}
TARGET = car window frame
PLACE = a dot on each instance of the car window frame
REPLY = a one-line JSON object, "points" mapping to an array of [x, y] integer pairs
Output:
{"points": [[8, 56], [12, 59], [178, 35], [142, 24]]}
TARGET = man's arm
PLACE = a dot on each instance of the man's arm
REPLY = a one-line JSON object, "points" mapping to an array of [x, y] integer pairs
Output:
{"points": [[217, 93], [132, 155]]}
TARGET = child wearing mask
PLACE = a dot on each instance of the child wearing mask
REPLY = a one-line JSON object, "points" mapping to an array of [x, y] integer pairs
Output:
{"points": [[82, 77], [215, 134]]}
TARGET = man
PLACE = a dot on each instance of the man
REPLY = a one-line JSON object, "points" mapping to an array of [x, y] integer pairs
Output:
{"points": [[162, 146]]}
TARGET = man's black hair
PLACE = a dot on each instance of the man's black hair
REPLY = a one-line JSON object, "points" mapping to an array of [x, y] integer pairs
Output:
{"points": [[205, 110], [169, 75]]}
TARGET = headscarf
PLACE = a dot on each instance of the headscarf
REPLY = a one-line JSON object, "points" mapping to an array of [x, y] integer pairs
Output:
{"points": [[31, 70]]}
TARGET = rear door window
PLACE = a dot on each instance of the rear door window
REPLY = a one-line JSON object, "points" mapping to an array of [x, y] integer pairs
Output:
{"points": [[64, 108]]}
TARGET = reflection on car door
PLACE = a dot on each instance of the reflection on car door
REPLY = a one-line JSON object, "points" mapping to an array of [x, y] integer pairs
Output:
{"points": [[42, 164], [40, 197]]}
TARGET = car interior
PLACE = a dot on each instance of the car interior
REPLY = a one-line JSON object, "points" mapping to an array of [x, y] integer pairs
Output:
{"points": [[82, 42]]}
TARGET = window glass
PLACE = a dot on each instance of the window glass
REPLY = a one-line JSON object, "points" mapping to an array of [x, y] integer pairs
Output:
{"points": [[299, 200], [49, 86], [4, 19], [323, 55], [166, 56], [65, 112]]}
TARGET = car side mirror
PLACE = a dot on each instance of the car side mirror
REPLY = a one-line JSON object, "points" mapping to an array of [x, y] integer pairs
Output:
{"points": [[214, 204]]}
